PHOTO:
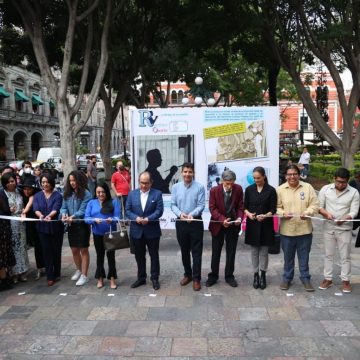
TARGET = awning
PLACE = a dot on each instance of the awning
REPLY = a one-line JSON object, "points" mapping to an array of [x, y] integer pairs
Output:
{"points": [[3, 92], [52, 103], [36, 100], [20, 96]]}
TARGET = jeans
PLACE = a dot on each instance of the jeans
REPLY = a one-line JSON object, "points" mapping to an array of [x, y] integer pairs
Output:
{"points": [[296, 244]]}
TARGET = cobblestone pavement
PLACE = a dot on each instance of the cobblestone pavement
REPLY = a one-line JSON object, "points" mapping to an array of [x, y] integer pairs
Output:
{"points": [[69, 322]]}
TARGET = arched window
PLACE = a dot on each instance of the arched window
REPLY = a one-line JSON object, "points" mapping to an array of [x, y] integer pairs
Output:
{"points": [[174, 98], [180, 96]]}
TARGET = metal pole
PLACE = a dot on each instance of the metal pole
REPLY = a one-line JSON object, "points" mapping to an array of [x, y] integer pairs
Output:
{"points": [[123, 130]]}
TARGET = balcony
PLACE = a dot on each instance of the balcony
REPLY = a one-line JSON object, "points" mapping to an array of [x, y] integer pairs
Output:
{"points": [[20, 116]]}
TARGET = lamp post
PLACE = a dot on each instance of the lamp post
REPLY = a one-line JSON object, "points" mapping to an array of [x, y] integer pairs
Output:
{"points": [[200, 94]]}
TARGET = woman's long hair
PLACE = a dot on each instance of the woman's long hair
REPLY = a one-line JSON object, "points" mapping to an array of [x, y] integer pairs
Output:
{"points": [[81, 182], [107, 206]]}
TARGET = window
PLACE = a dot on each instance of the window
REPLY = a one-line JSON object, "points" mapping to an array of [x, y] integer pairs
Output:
{"points": [[174, 97]]}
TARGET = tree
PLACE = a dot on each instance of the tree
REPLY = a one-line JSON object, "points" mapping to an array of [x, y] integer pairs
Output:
{"points": [[41, 22], [300, 31]]}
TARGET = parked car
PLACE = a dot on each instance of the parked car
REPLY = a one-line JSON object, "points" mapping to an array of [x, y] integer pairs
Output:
{"points": [[82, 161], [49, 167], [119, 156], [57, 161]]}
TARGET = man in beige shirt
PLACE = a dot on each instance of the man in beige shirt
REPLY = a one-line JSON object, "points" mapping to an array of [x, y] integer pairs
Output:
{"points": [[338, 201], [296, 201]]}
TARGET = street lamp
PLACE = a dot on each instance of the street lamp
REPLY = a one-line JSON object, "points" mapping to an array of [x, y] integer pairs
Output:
{"points": [[200, 94]]}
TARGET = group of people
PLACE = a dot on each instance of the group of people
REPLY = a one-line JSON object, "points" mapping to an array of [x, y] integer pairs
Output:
{"points": [[79, 212]]}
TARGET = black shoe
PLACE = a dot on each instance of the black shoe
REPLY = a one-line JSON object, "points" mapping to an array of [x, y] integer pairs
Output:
{"points": [[210, 282], [256, 283], [262, 279], [138, 283], [232, 282], [156, 284]]}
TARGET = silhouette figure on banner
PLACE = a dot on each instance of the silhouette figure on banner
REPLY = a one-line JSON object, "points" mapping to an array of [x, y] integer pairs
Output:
{"points": [[154, 159]]}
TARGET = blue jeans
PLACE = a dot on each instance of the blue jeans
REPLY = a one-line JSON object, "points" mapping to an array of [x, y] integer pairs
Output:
{"points": [[302, 245]]}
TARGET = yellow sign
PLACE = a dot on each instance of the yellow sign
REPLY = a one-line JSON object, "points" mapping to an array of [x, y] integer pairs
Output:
{"points": [[224, 130]]}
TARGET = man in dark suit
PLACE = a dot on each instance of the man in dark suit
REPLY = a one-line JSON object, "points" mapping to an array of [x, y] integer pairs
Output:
{"points": [[144, 207], [226, 206]]}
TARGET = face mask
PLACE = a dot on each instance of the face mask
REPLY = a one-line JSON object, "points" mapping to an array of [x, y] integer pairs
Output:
{"points": [[27, 170]]}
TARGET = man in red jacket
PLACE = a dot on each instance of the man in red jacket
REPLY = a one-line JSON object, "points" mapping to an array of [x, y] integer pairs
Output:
{"points": [[120, 181], [226, 204]]}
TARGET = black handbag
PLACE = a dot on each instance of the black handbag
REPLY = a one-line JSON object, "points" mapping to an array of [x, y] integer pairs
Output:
{"points": [[116, 240]]}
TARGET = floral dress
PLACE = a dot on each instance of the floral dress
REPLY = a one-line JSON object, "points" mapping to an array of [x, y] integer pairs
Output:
{"points": [[18, 241]]}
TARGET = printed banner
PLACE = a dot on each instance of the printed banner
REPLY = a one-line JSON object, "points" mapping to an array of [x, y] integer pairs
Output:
{"points": [[214, 139]]}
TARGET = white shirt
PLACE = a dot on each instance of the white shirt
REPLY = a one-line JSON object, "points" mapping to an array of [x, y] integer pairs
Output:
{"points": [[304, 158], [143, 197]]}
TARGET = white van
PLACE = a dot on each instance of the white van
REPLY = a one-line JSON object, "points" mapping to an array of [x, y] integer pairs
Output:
{"points": [[45, 153]]}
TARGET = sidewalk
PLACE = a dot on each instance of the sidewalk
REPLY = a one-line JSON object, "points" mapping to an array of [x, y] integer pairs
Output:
{"points": [[68, 322]]}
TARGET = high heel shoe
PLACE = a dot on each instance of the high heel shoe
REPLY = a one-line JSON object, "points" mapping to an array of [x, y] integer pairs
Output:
{"points": [[256, 282], [262, 279], [100, 284]]}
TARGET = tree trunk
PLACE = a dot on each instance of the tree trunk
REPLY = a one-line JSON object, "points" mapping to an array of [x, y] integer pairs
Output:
{"points": [[67, 137], [347, 159], [106, 144], [272, 78]]}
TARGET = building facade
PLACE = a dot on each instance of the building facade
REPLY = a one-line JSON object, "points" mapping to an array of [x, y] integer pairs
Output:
{"points": [[28, 118]]}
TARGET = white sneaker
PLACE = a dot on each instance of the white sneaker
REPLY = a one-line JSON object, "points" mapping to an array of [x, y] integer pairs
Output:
{"points": [[82, 281], [76, 275]]}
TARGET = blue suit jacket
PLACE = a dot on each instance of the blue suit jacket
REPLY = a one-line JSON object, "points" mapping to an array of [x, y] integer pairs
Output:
{"points": [[154, 209]]}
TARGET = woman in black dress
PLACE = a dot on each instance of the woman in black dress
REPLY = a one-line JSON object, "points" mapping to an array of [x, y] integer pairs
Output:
{"points": [[260, 205]]}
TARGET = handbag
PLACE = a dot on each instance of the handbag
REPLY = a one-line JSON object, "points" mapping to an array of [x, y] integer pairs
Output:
{"points": [[116, 240], [274, 249]]}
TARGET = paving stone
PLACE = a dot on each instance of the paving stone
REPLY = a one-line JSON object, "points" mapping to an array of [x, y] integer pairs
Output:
{"points": [[194, 313], [78, 327], [246, 329], [69, 300], [225, 347], [222, 313], [103, 313], [262, 346], [95, 300], [123, 301], [47, 344], [340, 328], [307, 328], [295, 346], [207, 329], [142, 328], [74, 313], [153, 347], [49, 327], [151, 301], [46, 313], [283, 313], [346, 313], [117, 346], [273, 328], [314, 313], [110, 328], [175, 329], [14, 344], [15, 299], [16, 326], [236, 301], [83, 345], [132, 313], [43, 300], [18, 312], [179, 301], [253, 314], [189, 347], [4, 309]]}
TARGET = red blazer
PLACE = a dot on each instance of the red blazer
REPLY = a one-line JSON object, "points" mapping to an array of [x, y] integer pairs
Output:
{"points": [[217, 206]]}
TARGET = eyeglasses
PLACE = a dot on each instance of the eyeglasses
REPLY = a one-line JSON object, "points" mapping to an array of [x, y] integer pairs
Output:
{"points": [[343, 182], [144, 183], [292, 174], [100, 192]]}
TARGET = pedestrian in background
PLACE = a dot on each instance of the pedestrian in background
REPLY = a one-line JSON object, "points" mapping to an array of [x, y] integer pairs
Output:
{"points": [[120, 182], [102, 214], [91, 173], [76, 198], [260, 206]]}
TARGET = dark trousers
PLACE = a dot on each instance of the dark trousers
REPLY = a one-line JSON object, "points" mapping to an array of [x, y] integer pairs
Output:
{"points": [[190, 238], [100, 258], [140, 257], [51, 246], [230, 236], [296, 244], [32, 238]]}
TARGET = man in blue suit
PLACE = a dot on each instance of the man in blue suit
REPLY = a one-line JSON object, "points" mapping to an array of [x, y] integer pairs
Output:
{"points": [[144, 207]]}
